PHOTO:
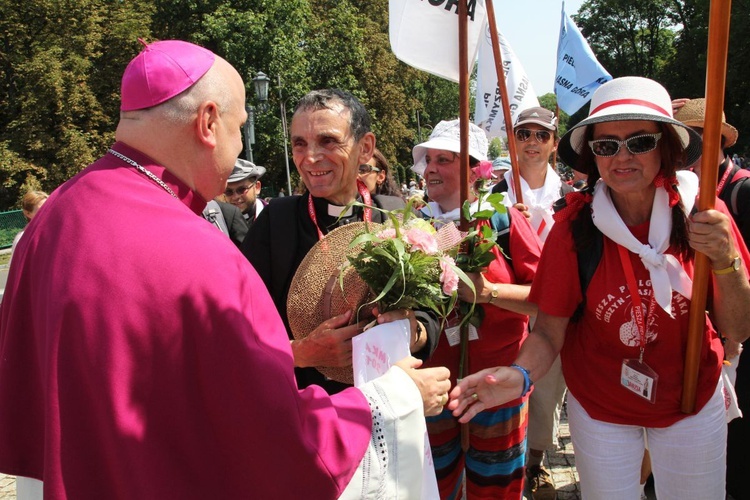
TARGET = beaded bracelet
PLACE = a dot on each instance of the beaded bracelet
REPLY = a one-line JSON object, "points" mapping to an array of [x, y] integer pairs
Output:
{"points": [[527, 382]]}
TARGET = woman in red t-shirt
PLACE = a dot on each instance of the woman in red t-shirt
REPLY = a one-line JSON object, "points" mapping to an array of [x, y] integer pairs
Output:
{"points": [[493, 466], [623, 351]]}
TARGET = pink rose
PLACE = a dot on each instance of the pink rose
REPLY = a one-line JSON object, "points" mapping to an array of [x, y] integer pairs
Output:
{"points": [[483, 170], [421, 240], [448, 276]]}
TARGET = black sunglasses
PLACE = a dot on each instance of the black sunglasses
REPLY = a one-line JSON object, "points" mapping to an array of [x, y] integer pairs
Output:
{"points": [[524, 134], [637, 145], [366, 169], [240, 190]]}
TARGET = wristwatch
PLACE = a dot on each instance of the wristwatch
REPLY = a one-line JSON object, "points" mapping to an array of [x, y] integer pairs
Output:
{"points": [[735, 266], [493, 294]]}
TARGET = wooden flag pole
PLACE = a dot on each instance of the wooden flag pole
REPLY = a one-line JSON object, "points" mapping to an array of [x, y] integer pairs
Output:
{"points": [[499, 67], [716, 74], [463, 104], [463, 117], [557, 128]]}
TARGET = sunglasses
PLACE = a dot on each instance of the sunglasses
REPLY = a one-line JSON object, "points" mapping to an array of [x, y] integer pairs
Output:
{"points": [[637, 145], [366, 169], [524, 134], [239, 191]]}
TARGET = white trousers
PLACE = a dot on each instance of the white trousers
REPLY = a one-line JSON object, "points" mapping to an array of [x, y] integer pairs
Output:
{"points": [[688, 458]]}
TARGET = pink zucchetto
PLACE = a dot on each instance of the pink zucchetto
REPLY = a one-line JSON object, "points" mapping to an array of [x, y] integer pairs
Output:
{"points": [[161, 71]]}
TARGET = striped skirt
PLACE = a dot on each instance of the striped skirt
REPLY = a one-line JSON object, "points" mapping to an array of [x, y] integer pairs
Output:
{"points": [[494, 465]]}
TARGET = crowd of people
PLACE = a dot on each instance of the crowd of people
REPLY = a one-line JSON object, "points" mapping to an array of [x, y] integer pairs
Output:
{"points": [[161, 363]]}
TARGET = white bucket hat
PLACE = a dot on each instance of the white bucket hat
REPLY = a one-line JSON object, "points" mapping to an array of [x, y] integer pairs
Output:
{"points": [[623, 99], [446, 135]]}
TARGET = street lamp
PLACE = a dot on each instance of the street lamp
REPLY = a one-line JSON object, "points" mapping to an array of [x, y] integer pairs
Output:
{"points": [[261, 82], [249, 132]]}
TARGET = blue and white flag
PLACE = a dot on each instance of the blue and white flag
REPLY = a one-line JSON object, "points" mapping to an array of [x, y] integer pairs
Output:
{"points": [[425, 34], [579, 74], [488, 114]]}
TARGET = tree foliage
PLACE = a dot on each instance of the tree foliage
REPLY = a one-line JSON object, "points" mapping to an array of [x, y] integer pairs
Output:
{"points": [[61, 63], [667, 40], [629, 37]]}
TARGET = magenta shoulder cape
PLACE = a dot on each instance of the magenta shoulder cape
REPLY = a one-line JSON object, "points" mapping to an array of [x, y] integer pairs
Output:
{"points": [[142, 357]]}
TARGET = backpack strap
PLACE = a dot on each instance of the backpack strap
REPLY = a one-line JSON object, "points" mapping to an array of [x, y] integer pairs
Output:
{"points": [[738, 180], [500, 187], [588, 260], [501, 224], [212, 213], [588, 256]]}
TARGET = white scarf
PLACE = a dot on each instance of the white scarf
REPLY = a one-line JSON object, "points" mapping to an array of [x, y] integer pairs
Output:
{"points": [[538, 200], [665, 270], [433, 211]]}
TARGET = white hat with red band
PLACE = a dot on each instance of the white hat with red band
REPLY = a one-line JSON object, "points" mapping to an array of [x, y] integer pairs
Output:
{"points": [[628, 98]]}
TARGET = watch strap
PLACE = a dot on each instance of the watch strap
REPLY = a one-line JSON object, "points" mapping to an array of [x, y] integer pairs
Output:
{"points": [[734, 266]]}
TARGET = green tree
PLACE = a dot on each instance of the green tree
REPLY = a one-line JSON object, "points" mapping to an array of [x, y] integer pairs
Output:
{"points": [[629, 37], [59, 64], [549, 101]]}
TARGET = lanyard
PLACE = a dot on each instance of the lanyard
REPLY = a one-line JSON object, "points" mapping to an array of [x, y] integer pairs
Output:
{"points": [[724, 177], [366, 199], [640, 321]]}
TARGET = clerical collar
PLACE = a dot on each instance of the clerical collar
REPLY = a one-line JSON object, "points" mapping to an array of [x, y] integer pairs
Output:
{"points": [[337, 211], [364, 195]]}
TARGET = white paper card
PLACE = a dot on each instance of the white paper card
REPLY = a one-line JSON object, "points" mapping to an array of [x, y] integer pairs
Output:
{"points": [[373, 353]]}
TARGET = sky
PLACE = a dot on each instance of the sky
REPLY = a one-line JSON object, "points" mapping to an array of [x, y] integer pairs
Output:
{"points": [[532, 28]]}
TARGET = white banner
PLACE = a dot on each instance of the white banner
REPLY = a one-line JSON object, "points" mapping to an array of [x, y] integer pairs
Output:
{"points": [[488, 114], [424, 34]]}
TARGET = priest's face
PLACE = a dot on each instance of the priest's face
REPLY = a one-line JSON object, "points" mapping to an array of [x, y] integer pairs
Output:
{"points": [[326, 153]]}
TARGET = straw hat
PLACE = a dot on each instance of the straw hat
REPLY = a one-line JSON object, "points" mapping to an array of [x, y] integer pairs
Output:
{"points": [[693, 114], [623, 99], [446, 135], [315, 294]]}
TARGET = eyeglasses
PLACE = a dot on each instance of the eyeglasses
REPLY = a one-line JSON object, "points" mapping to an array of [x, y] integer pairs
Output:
{"points": [[542, 136], [366, 169], [637, 145], [239, 191]]}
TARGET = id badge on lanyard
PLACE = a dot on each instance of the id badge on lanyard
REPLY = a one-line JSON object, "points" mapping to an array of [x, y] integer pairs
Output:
{"points": [[636, 376], [453, 331]]}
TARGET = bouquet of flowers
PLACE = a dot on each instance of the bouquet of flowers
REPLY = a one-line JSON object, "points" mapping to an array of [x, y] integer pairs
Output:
{"points": [[410, 264]]}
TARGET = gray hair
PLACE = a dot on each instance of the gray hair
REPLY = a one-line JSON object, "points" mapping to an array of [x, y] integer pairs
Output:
{"points": [[359, 119]]}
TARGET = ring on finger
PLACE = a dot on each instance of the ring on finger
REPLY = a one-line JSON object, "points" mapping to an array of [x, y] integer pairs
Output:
{"points": [[443, 400], [474, 396]]}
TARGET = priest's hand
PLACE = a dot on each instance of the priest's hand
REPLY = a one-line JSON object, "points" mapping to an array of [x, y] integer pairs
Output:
{"points": [[433, 384], [418, 332], [484, 389], [330, 344]]}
